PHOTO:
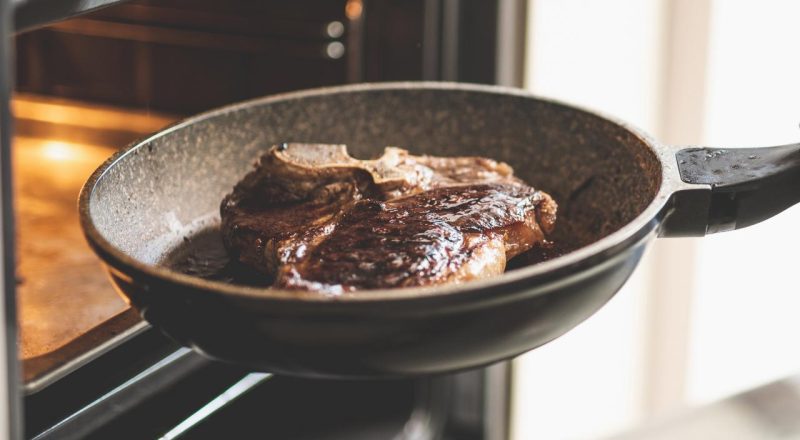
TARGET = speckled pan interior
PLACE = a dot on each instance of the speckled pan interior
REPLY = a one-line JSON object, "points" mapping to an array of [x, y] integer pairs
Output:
{"points": [[601, 174]]}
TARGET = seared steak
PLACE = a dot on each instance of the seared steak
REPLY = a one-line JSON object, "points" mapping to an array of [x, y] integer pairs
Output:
{"points": [[312, 217]]}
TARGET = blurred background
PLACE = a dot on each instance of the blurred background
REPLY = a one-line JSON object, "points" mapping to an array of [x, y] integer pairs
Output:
{"points": [[701, 319], [700, 343]]}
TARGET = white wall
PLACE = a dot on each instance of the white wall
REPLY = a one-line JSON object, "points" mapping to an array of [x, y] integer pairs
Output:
{"points": [[746, 311], [701, 318]]}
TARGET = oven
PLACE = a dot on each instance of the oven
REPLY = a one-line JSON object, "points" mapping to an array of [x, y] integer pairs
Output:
{"points": [[82, 79]]}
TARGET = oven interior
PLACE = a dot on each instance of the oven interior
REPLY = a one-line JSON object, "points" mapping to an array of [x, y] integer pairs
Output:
{"points": [[89, 85]]}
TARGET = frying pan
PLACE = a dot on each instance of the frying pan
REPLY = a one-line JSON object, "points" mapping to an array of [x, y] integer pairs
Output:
{"points": [[617, 189]]}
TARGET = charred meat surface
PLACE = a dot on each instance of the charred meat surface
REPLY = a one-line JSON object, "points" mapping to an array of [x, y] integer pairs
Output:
{"points": [[311, 217]]}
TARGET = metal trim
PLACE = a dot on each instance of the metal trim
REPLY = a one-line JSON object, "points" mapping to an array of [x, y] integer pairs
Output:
{"points": [[31, 14], [12, 426], [451, 18], [512, 18], [42, 371], [497, 401], [431, 40]]}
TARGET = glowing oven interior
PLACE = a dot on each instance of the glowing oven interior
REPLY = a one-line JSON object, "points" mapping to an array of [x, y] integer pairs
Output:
{"points": [[58, 144]]}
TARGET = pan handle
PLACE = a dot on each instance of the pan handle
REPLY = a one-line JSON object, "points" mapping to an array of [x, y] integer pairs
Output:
{"points": [[747, 186]]}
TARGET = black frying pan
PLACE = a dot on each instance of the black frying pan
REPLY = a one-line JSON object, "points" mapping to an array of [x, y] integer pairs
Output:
{"points": [[617, 190]]}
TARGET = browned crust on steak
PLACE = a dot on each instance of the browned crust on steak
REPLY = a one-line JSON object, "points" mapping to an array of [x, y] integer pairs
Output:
{"points": [[313, 218]]}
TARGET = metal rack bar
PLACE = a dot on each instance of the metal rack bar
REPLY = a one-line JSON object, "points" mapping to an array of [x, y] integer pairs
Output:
{"points": [[30, 14], [125, 396], [235, 391]]}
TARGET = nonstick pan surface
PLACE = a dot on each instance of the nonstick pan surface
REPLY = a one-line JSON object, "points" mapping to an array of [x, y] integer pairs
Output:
{"points": [[616, 188]]}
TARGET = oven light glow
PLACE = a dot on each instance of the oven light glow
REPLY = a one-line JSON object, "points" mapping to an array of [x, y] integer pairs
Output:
{"points": [[57, 151], [353, 9]]}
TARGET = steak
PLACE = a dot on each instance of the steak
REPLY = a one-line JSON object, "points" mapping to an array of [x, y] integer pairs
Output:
{"points": [[311, 217]]}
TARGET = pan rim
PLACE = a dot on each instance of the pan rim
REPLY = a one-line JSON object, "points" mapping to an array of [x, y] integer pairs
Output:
{"points": [[616, 242]]}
